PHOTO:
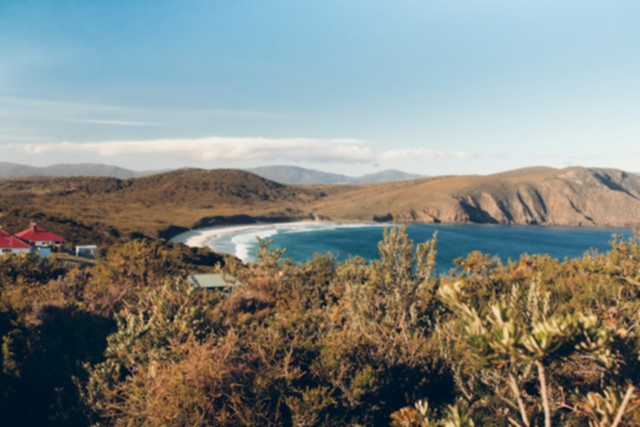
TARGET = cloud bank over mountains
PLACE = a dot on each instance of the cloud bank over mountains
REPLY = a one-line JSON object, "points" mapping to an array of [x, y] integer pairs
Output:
{"points": [[246, 149]]}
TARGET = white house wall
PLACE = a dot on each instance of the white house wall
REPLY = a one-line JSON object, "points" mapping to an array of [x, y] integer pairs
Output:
{"points": [[15, 252]]}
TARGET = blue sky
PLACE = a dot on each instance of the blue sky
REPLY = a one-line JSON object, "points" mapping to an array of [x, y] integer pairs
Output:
{"points": [[430, 86]]}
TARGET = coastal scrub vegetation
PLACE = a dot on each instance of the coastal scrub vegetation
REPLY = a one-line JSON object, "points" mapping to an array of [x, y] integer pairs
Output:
{"points": [[390, 342]]}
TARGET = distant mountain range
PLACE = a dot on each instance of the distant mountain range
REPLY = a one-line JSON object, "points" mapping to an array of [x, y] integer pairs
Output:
{"points": [[290, 175], [14, 170], [293, 175]]}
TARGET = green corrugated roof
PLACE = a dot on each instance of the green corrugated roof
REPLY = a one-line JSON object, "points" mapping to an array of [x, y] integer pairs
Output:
{"points": [[208, 281]]}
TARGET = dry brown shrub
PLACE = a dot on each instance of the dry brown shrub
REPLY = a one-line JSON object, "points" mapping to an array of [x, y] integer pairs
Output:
{"points": [[200, 389]]}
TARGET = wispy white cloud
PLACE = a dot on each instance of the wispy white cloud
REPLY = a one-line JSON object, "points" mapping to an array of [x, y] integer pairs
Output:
{"points": [[91, 121], [108, 122], [424, 153], [19, 103], [37, 106], [247, 149], [224, 149]]}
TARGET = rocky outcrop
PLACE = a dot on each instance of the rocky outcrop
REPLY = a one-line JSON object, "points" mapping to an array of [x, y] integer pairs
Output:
{"points": [[171, 232], [219, 221]]}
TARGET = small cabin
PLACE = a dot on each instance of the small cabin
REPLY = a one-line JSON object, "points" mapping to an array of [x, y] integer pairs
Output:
{"points": [[13, 245], [38, 236]]}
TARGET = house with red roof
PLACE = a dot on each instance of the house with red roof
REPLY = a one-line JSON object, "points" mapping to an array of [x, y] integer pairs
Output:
{"points": [[39, 237], [13, 245]]}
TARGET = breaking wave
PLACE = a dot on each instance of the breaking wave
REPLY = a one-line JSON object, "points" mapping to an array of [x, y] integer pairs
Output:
{"points": [[244, 244]]}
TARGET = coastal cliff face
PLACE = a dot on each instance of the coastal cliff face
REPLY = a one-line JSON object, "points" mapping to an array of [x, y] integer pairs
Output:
{"points": [[543, 196]]}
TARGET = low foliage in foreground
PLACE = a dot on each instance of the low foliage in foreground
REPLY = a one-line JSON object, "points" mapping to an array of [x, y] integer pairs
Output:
{"points": [[535, 342]]}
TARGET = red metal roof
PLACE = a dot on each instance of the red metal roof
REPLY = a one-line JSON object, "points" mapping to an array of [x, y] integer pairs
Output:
{"points": [[7, 241], [38, 234]]}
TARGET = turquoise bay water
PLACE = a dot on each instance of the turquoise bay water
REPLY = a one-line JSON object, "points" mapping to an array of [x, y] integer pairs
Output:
{"points": [[454, 241]]}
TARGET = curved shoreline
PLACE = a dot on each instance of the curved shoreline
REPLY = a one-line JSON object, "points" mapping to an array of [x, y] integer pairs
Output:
{"points": [[197, 238]]}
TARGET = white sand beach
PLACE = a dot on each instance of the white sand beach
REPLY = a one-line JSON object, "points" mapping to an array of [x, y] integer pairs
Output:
{"points": [[197, 238]]}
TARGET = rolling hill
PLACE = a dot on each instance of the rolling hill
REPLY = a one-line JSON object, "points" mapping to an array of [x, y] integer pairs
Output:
{"points": [[152, 203]]}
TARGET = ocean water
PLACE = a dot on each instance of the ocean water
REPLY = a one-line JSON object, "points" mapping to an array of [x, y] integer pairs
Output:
{"points": [[454, 241]]}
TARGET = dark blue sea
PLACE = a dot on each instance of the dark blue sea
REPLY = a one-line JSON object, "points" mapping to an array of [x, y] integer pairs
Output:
{"points": [[454, 241]]}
